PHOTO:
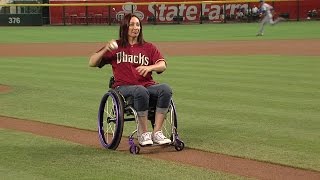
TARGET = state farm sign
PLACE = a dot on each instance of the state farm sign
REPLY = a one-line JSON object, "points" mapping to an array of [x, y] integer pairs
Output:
{"points": [[192, 12]]}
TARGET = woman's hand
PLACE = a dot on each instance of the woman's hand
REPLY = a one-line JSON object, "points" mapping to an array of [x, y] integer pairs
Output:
{"points": [[159, 67], [111, 45], [143, 70], [96, 57]]}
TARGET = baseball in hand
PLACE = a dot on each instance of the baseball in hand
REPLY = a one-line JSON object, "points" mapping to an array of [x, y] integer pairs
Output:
{"points": [[113, 45]]}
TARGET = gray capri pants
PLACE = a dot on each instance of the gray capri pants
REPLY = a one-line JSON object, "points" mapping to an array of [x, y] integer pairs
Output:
{"points": [[141, 96]]}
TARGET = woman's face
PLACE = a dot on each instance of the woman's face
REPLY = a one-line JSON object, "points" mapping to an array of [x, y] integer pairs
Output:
{"points": [[134, 27]]}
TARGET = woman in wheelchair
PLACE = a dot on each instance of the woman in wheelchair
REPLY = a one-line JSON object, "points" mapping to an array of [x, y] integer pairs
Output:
{"points": [[133, 60]]}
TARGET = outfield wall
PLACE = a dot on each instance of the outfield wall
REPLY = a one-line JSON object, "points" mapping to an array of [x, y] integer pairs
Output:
{"points": [[104, 11], [71, 12]]}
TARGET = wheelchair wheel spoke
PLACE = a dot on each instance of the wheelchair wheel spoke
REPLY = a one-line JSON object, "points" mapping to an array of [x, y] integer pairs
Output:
{"points": [[110, 120], [167, 124]]}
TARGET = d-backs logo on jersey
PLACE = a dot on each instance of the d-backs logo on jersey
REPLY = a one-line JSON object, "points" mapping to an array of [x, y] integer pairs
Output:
{"points": [[135, 59]]}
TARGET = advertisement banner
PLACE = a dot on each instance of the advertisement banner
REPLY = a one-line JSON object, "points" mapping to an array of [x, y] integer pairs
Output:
{"points": [[170, 11]]}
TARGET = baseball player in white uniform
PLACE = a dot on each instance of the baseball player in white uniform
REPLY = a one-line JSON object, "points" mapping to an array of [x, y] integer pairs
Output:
{"points": [[266, 13]]}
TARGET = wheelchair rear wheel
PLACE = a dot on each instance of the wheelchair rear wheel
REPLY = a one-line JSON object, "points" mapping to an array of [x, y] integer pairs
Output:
{"points": [[110, 120]]}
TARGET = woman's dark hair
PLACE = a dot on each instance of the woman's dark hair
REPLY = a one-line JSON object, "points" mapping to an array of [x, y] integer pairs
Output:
{"points": [[124, 27]]}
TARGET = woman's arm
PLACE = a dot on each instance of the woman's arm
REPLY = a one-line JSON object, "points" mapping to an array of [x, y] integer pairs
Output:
{"points": [[96, 58], [159, 67]]}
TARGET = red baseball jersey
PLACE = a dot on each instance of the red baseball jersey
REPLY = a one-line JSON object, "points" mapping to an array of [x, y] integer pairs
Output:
{"points": [[124, 61]]}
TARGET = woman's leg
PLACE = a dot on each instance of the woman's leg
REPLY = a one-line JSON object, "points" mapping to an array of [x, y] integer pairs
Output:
{"points": [[141, 104], [163, 93]]}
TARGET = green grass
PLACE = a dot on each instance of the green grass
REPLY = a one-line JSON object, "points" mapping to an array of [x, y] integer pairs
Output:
{"points": [[25, 156], [193, 32], [264, 109], [260, 107]]}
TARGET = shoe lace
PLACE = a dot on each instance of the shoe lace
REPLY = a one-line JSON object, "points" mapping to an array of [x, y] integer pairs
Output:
{"points": [[146, 136], [160, 135]]}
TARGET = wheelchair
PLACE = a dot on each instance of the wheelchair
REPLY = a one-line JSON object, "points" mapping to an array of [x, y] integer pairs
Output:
{"points": [[115, 110]]}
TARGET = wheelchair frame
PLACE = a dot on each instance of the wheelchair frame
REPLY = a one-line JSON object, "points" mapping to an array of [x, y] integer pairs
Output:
{"points": [[115, 110]]}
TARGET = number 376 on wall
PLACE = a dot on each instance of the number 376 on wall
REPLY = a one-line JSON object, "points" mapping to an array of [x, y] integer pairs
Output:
{"points": [[14, 20]]}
